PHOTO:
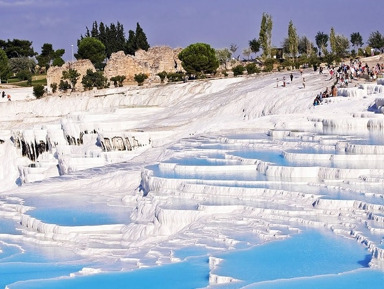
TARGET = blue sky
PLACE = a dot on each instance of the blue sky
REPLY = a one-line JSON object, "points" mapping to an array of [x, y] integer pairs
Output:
{"points": [[178, 23]]}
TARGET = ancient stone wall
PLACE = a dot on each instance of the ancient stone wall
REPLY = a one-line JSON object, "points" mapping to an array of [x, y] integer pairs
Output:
{"points": [[127, 65], [151, 62], [55, 73]]}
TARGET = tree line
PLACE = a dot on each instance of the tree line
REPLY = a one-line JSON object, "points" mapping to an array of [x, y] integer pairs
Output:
{"points": [[18, 58]]}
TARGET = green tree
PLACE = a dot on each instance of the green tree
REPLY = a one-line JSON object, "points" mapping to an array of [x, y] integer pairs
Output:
{"points": [[305, 46], [118, 80], [72, 75], [4, 67], [130, 46], [94, 79], [233, 48], [17, 48], [141, 38], [44, 59], [38, 90], [223, 56], [356, 40], [112, 36], [247, 52], [321, 41], [376, 40], [140, 78], [341, 45], [254, 45], [265, 34], [19, 64], [199, 59], [332, 40], [92, 49], [162, 75], [293, 40], [49, 56]]}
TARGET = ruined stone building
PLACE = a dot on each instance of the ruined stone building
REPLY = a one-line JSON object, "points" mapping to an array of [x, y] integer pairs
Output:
{"points": [[151, 62]]}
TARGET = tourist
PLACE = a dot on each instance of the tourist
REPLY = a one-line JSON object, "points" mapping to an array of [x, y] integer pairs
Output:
{"points": [[303, 82], [9, 97], [291, 76], [3, 94], [284, 81], [334, 90]]}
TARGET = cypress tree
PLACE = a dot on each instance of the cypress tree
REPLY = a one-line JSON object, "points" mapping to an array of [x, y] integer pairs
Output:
{"points": [[332, 40], [265, 35], [292, 40], [141, 38], [130, 46]]}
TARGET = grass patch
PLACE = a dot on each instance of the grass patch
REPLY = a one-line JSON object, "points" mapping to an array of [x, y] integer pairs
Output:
{"points": [[36, 79]]}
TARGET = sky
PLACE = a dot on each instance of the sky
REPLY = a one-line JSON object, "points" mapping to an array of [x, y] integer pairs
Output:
{"points": [[179, 23]]}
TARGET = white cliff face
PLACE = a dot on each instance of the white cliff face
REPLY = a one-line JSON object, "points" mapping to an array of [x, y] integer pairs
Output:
{"points": [[216, 164]]}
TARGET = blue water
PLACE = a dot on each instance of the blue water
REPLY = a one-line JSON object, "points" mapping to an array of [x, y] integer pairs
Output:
{"points": [[36, 262], [311, 253], [313, 259], [363, 278], [84, 216], [187, 275], [208, 175]]}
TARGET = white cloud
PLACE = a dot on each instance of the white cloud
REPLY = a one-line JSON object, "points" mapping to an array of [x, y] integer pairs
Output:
{"points": [[29, 3]]}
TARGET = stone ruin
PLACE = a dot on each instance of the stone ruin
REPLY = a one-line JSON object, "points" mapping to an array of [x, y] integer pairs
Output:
{"points": [[55, 73], [151, 62]]}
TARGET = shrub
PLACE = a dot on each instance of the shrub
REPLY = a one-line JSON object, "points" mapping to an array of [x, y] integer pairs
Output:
{"points": [[118, 80], [38, 90], [162, 76], [176, 76], [24, 75], [268, 64], [64, 85], [140, 78], [238, 70], [252, 68], [94, 79], [54, 87]]}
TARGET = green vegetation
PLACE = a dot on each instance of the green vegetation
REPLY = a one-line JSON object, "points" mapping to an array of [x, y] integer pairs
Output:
{"points": [[4, 67], [91, 48], [293, 41], [265, 35], [54, 87], [176, 76], [113, 38], [38, 90], [140, 78], [321, 41], [118, 80], [50, 57], [72, 75], [162, 76], [238, 70], [94, 79], [252, 68], [198, 59], [35, 80], [376, 40], [223, 56]]}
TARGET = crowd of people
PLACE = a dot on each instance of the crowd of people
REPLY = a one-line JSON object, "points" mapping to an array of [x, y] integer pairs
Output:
{"points": [[345, 74]]}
